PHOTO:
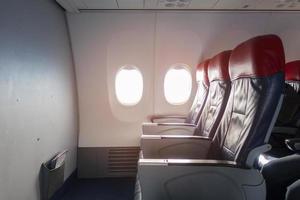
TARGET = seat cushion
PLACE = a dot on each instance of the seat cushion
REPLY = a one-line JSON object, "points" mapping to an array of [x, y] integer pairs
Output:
{"points": [[274, 153], [293, 191], [279, 174]]}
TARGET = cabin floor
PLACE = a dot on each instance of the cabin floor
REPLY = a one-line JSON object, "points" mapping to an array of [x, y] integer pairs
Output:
{"points": [[99, 189]]}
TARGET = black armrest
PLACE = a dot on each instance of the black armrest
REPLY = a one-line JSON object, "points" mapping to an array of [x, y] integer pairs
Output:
{"points": [[285, 130], [293, 144]]}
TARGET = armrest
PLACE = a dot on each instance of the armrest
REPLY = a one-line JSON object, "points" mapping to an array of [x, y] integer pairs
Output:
{"points": [[167, 118], [168, 128], [195, 137], [188, 162], [198, 179], [293, 144], [283, 130], [175, 146], [176, 124]]}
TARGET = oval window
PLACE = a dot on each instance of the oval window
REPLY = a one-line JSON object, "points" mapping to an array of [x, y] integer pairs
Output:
{"points": [[178, 84], [129, 85]]}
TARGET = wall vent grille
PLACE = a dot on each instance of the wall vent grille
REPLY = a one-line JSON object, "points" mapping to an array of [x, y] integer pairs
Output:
{"points": [[98, 162], [122, 161]]}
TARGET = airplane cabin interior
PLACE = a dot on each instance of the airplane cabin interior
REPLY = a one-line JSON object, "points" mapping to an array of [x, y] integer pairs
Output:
{"points": [[150, 100]]}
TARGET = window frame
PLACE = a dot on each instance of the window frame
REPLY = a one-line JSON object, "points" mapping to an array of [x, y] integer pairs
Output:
{"points": [[181, 66], [130, 67]]}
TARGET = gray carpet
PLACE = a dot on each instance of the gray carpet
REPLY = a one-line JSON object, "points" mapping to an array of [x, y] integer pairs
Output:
{"points": [[99, 189]]}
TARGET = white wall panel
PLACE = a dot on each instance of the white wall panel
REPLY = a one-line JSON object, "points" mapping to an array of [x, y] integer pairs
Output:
{"points": [[151, 4], [131, 4], [175, 43], [75, 5], [38, 102], [237, 4], [103, 42], [279, 4], [101, 4], [203, 4], [288, 28], [153, 41]]}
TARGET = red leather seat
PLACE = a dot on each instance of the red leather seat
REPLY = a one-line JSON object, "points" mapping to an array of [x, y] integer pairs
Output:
{"points": [[201, 95], [257, 83], [218, 94], [256, 70], [169, 146], [280, 166]]}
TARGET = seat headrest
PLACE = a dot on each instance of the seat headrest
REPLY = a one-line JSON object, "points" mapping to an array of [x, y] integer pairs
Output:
{"points": [[201, 74], [292, 71], [257, 57], [218, 67]]}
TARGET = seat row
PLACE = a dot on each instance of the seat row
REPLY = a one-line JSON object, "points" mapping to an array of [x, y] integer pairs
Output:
{"points": [[212, 152], [280, 166]]}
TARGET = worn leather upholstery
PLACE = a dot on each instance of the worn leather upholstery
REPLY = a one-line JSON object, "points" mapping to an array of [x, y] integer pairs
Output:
{"points": [[290, 112], [201, 95], [292, 71], [253, 98], [281, 167], [217, 96], [256, 71], [288, 121]]}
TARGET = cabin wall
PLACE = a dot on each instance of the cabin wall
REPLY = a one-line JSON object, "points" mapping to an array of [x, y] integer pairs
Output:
{"points": [[104, 41], [38, 106]]}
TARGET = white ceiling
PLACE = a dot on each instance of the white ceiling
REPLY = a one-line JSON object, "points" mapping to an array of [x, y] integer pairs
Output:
{"points": [[77, 5]]}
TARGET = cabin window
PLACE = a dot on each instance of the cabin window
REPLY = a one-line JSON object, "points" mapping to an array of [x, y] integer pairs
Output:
{"points": [[129, 85], [178, 84]]}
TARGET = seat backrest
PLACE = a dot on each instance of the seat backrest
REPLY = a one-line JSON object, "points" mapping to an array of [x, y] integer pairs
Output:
{"points": [[218, 92], [289, 114], [257, 81], [201, 94]]}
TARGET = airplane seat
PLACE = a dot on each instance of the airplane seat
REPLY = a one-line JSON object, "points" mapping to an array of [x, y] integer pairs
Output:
{"points": [[217, 97], [293, 191], [201, 95], [280, 166], [212, 109], [256, 93], [174, 145], [282, 172], [288, 122], [183, 125], [256, 71], [289, 115], [198, 103]]}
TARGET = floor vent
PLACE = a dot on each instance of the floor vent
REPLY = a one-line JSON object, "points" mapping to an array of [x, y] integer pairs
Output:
{"points": [[122, 161], [99, 162]]}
